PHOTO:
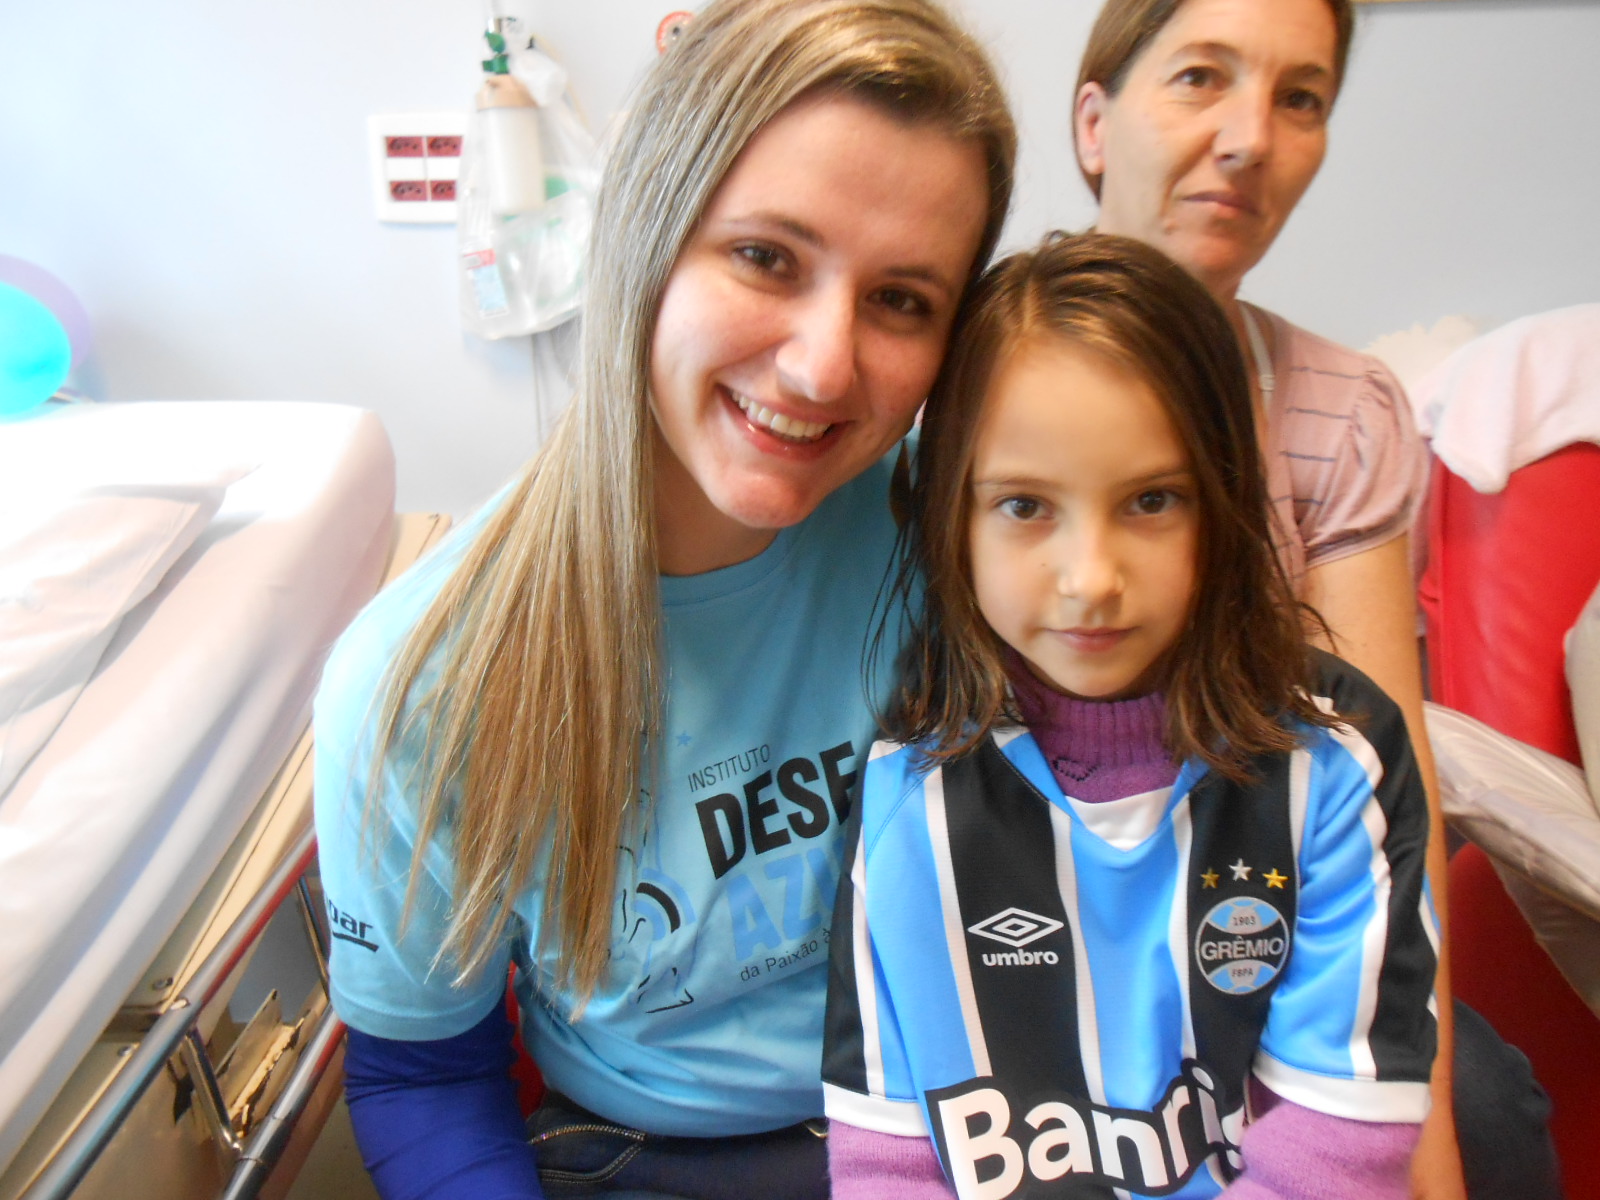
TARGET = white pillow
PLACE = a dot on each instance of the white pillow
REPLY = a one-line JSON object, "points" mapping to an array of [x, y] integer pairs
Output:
{"points": [[1531, 812], [85, 535], [1583, 678], [1412, 353]]}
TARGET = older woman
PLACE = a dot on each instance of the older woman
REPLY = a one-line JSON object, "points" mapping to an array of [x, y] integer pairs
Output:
{"points": [[1199, 124], [618, 716]]}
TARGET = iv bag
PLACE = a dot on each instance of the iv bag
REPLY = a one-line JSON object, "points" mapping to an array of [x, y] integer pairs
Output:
{"points": [[523, 271]]}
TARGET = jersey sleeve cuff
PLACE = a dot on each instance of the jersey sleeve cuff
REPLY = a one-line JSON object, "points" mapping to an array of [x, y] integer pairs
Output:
{"points": [[1395, 1101], [902, 1118]]}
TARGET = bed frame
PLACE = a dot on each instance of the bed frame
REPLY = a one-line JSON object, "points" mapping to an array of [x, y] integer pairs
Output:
{"points": [[179, 1098]]}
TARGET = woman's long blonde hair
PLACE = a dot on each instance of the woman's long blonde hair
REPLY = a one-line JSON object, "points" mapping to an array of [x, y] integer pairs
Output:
{"points": [[531, 688]]}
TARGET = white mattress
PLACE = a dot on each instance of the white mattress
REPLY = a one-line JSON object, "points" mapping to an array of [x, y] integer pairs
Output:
{"points": [[110, 832]]}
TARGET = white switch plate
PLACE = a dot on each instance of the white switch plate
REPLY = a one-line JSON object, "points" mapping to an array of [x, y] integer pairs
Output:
{"points": [[416, 160]]}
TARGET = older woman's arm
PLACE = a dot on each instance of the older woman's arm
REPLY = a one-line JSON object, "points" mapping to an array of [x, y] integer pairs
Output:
{"points": [[1368, 602]]}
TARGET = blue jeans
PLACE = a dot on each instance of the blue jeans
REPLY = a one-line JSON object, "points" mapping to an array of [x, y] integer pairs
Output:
{"points": [[1502, 1125], [581, 1154]]}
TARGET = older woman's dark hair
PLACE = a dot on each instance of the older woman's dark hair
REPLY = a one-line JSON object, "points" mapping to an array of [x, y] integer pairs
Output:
{"points": [[1125, 27], [1242, 662]]}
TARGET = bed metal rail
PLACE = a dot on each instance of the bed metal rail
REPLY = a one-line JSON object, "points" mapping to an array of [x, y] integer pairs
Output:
{"points": [[170, 1045], [175, 1031]]}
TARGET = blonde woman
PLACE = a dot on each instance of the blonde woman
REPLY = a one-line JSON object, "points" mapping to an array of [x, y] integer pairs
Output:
{"points": [[608, 732]]}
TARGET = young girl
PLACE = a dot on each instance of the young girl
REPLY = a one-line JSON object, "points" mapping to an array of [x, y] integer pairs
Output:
{"points": [[1168, 934]]}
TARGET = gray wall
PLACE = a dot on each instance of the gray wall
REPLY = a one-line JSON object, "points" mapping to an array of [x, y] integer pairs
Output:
{"points": [[197, 174]]}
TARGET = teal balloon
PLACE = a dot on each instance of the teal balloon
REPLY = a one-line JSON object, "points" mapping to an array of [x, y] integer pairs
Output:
{"points": [[35, 352]]}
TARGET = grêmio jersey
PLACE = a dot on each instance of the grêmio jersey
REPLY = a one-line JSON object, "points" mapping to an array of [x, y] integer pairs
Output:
{"points": [[1069, 998]]}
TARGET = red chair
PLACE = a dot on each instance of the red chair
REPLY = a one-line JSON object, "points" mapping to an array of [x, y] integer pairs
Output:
{"points": [[524, 1071], [1507, 576]]}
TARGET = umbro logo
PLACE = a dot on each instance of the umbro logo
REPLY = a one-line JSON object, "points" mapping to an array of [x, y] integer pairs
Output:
{"points": [[1015, 927]]}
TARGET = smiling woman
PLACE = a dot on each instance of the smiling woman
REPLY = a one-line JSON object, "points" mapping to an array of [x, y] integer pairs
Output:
{"points": [[619, 715], [804, 322]]}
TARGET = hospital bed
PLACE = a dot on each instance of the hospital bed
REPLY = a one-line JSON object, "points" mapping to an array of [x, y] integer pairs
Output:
{"points": [[147, 842]]}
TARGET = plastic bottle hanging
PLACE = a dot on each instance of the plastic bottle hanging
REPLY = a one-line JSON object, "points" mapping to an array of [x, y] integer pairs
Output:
{"points": [[512, 156]]}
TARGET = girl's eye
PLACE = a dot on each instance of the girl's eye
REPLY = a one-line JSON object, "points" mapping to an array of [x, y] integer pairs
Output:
{"points": [[1021, 508], [1155, 501]]}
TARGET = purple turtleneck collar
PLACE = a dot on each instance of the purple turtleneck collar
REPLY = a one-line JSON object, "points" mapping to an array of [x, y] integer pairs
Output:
{"points": [[1098, 749]]}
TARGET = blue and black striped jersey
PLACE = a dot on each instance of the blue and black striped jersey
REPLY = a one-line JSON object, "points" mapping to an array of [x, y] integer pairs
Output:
{"points": [[1069, 998]]}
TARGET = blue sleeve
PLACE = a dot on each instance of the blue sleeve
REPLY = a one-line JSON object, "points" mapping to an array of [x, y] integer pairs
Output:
{"points": [[438, 1120], [1351, 1031], [874, 996]]}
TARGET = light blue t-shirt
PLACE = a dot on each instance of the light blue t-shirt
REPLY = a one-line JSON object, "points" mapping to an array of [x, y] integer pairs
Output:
{"points": [[708, 1021]]}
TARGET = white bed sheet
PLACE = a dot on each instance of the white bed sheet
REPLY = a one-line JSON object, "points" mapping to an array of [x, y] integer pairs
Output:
{"points": [[111, 831]]}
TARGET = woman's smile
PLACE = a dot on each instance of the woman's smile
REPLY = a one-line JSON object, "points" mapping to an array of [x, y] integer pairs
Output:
{"points": [[790, 429]]}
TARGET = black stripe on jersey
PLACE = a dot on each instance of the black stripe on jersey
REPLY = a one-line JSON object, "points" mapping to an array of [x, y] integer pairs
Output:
{"points": [[1002, 846], [844, 1052], [1242, 842], [1403, 1035]]}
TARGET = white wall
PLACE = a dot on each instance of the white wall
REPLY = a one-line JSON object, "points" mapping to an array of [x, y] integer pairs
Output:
{"points": [[1463, 175], [197, 174]]}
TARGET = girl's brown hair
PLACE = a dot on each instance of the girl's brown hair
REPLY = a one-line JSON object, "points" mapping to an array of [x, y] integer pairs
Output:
{"points": [[529, 692], [1242, 663], [1124, 28]]}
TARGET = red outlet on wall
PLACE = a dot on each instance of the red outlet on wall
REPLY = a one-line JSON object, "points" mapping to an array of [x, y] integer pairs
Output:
{"points": [[416, 161]]}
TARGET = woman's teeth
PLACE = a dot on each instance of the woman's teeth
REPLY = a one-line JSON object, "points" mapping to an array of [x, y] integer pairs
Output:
{"points": [[773, 422]]}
